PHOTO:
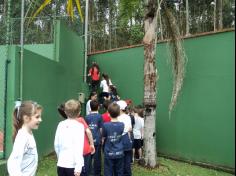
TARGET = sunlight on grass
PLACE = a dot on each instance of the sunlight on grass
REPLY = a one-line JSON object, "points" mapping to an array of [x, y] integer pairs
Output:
{"points": [[47, 167]]}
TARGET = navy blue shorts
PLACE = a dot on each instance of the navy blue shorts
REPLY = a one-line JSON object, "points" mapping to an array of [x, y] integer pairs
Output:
{"points": [[137, 144]]}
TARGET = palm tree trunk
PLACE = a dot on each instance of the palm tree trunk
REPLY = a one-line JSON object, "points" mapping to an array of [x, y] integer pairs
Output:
{"points": [[150, 79]]}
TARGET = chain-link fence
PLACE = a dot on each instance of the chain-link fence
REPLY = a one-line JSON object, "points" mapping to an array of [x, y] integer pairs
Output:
{"points": [[39, 31]]}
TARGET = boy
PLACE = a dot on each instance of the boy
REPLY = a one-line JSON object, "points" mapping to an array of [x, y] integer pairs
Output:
{"points": [[106, 116], [127, 140], [138, 131], [70, 136], [113, 146], [95, 123]]}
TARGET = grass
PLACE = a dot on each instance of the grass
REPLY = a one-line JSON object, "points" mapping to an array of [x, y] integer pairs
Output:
{"points": [[47, 167]]}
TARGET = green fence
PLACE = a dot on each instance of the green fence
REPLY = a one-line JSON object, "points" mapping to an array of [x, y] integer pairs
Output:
{"points": [[201, 128]]}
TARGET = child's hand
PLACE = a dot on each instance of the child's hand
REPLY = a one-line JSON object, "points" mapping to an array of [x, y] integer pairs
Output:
{"points": [[92, 149], [77, 173]]}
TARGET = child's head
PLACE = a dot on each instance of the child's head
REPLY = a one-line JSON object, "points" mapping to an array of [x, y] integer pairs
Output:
{"points": [[61, 110], [106, 104], [123, 105], [130, 109], [114, 110], [26, 113], [93, 95], [72, 108], [139, 110], [94, 105], [113, 89]]}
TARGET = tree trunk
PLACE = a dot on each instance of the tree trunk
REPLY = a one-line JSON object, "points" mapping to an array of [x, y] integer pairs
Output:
{"points": [[150, 79], [214, 15], [219, 14], [187, 18]]}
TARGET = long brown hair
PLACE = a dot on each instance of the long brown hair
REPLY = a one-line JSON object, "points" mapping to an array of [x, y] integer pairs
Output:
{"points": [[27, 108], [106, 77]]}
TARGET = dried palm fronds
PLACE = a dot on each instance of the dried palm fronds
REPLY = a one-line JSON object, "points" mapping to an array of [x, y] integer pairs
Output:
{"points": [[178, 58]]}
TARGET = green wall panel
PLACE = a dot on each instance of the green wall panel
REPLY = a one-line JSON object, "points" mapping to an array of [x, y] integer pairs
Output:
{"points": [[47, 81], [46, 50], [201, 127]]}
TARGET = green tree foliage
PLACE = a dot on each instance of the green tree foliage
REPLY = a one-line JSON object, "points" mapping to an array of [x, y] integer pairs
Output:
{"points": [[112, 23]]}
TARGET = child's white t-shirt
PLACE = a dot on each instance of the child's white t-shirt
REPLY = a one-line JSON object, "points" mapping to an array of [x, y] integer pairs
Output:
{"points": [[127, 122], [88, 108], [69, 144], [23, 160], [138, 127], [104, 86]]}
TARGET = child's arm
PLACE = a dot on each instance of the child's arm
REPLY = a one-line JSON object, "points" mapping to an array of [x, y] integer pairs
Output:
{"points": [[57, 141], [90, 137], [15, 159], [78, 149]]}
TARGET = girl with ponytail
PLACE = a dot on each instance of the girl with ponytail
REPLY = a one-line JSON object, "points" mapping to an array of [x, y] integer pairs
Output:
{"points": [[105, 85], [24, 157]]}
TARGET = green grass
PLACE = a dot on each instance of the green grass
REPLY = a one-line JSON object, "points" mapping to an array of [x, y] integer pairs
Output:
{"points": [[47, 167]]}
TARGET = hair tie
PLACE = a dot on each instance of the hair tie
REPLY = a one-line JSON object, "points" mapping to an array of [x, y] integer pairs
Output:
{"points": [[17, 106]]}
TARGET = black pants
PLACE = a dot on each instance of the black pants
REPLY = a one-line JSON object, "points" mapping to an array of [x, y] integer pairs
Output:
{"points": [[113, 167], [61, 171], [95, 85], [96, 161], [86, 168], [127, 163]]}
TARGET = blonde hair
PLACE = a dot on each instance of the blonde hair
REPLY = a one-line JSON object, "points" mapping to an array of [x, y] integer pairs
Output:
{"points": [[72, 108], [25, 108]]}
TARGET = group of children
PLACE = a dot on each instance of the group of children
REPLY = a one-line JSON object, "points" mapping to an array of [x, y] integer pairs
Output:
{"points": [[109, 91], [79, 141]]}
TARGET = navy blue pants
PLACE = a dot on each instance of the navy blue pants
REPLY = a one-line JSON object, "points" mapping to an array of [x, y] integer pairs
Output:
{"points": [[127, 163], [96, 160], [61, 171], [86, 168], [113, 166]]}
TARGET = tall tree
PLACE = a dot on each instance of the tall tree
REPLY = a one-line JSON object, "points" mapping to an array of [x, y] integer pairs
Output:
{"points": [[187, 18], [219, 14], [150, 79], [151, 74]]}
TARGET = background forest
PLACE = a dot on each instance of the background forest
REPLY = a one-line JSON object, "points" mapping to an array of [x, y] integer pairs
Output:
{"points": [[113, 23]]}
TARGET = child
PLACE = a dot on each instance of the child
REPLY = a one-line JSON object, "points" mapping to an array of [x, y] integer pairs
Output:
{"points": [[95, 123], [113, 145], [113, 94], [24, 157], [138, 131], [106, 116], [92, 96], [94, 72], [69, 142], [88, 141], [105, 84], [127, 140]]}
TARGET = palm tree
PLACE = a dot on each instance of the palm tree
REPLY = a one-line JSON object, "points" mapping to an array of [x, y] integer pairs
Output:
{"points": [[69, 8], [151, 74]]}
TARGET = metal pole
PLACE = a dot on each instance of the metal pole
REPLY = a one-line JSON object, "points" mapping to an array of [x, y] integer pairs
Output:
{"points": [[86, 41], [21, 47]]}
